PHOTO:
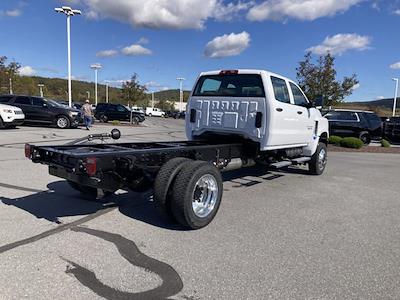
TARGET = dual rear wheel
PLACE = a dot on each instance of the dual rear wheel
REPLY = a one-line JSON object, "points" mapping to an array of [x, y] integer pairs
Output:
{"points": [[188, 192]]}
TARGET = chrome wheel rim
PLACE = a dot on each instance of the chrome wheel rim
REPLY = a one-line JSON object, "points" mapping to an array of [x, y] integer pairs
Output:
{"points": [[205, 196], [322, 159], [62, 122]]}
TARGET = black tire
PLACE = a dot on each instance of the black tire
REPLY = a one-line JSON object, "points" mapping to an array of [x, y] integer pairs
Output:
{"points": [[103, 118], [150, 115], [135, 120], [316, 166], [365, 137], [184, 189], [1, 123], [87, 192], [163, 183], [63, 122]]}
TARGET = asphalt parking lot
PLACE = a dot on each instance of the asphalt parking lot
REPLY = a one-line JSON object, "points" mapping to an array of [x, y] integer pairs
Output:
{"points": [[278, 235]]}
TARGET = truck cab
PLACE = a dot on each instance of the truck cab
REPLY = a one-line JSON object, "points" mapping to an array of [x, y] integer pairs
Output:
{"points": [[257, 105]]}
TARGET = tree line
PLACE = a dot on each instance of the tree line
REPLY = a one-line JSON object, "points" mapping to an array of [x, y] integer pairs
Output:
{"points": [[317, 76]]}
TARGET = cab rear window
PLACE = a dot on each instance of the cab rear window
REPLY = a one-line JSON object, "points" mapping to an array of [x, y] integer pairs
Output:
{"points": [[230, 85]]}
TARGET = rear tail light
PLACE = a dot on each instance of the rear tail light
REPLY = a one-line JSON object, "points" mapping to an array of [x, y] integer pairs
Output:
{"points": [[259, 119], [28, 151], [192, 115], [90, 165]]}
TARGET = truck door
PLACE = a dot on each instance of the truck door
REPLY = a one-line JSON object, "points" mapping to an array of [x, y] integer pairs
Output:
{"points": [[288, 121], [306, 123]]}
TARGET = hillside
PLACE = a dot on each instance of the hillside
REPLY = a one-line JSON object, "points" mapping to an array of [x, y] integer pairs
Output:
{"points": [[382, 107], [56, 88]]}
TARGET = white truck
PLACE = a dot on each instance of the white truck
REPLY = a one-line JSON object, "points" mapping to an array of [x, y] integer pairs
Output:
{"points": [[234, 119], [154, 112], [10, 116]]}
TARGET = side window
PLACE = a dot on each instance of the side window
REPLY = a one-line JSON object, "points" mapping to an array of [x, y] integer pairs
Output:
{"points": [[120, 108], [348, 116], [280, 90], [298, 96], [5, 99], [23, 100], [37, 102], [210, 86], [112, 108]]}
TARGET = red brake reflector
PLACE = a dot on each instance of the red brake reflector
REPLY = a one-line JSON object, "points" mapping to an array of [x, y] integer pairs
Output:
{"points": [[90, 166], [28, 151], [229, 72]]}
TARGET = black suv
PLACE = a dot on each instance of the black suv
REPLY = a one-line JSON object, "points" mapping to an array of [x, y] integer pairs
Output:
{"points": [[392, 129], [44, 111], [364, 125], [109, 112]]}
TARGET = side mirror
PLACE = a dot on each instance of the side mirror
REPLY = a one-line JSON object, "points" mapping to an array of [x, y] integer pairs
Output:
{"points": [[319, 102], [115, 134], [44, 104]]}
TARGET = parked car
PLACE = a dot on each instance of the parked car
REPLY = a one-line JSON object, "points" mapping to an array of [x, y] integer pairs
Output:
{"points": [[364, 125], [108, 112], [44, 111], [74, 104], [392, 129], [10, 116], [155, 112]]}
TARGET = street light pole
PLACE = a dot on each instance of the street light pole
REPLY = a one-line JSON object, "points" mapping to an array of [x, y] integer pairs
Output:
{"points": [[70, 13], [41, 86], [395, 95], [107, 83], [95, 67], [152, 99], [11, 89], [180, 79], [88, 95]]}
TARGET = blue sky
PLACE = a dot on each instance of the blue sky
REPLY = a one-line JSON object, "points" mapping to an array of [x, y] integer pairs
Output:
{"points": [[163, 39]]}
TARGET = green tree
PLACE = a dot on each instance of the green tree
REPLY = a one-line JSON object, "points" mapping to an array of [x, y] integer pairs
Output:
{"points": [[7, 72], [133, 92], [319, 79]]}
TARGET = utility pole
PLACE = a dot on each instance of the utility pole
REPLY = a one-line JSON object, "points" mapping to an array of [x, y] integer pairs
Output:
{"points": [[70, 13], [395, 95], [88, 95], [11, 89], [152, 99], [180, 79], [41, 86], [107, 84], [95, 67]]}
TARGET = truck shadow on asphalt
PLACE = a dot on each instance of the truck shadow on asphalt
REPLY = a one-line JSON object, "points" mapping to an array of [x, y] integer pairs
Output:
{"points": [[62, 201]]}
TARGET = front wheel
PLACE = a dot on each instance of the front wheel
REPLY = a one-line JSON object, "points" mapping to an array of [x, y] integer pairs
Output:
{"points": [[318, 161], [63, 122], [135, 120], [365, 137], [196, 194]]}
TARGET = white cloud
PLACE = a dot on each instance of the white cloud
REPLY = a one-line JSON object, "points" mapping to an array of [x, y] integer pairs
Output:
{"points": [[27, 71], [397, 12], [395, 66], [135, 50], [227, 45], [143, 41], [107, 53], [298, 9], [340, 43], [11, 13], [380, 97], [356, 86], [172, 14]]}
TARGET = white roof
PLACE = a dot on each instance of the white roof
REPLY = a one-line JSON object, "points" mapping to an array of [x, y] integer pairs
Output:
{"points": [[246, 71]]}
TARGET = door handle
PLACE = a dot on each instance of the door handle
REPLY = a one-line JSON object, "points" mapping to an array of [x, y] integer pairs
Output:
{"points": [[299, 112], [279, 109]]}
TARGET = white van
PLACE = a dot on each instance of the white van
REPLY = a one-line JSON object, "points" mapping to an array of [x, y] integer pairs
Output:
{"points": [[154, 112]]}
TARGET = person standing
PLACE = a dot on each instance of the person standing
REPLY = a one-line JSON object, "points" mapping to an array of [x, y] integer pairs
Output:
{"points": [[87, 114]]}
